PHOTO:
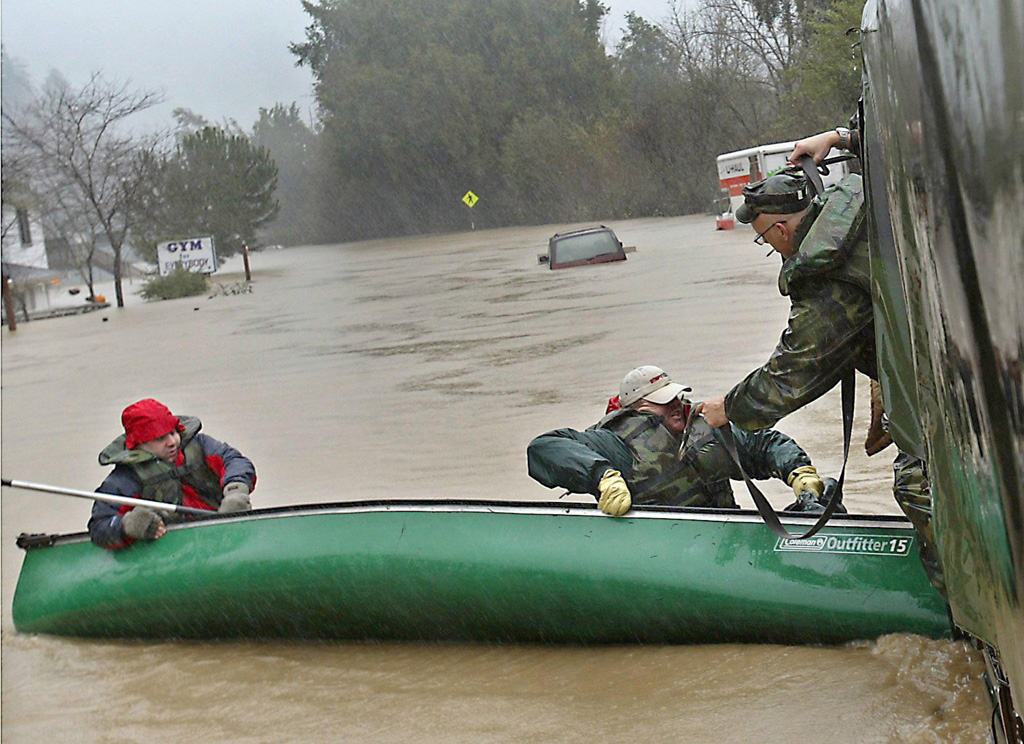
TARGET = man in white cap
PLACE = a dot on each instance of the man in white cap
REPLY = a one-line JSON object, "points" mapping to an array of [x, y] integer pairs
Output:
{"points": [[652, 450]]}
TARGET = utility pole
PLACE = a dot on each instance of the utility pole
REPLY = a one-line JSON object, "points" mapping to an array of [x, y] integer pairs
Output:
{"points": [[245, 257], [9, 305]]}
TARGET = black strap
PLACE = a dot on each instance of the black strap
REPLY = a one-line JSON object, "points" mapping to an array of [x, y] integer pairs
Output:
{"points": [[763, 507], [813, 172], [823, 165], [813, 176]]}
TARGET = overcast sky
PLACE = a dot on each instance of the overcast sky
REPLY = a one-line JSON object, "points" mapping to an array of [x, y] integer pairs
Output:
{"points": [[220, 58]]}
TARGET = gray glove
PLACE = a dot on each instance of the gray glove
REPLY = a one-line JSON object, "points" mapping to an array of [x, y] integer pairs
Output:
{"points": [[141, 523], [236, 498]]}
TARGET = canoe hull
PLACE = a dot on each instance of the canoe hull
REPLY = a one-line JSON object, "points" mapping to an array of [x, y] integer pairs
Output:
{"points": [[487, 572]]}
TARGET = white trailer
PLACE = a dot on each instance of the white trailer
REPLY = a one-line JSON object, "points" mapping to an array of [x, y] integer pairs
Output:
{"points": [[737, 169]]}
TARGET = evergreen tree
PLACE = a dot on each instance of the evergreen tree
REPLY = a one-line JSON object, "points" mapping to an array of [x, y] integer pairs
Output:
{"points": [[216, 184], [418, 98], [826, 78], [293, 146]]}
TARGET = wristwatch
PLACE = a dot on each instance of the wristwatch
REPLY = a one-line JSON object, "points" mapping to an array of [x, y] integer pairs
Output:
{"points": [[844, 138]]}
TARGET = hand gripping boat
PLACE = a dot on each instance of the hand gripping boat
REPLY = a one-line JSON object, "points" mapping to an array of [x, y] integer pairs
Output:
{"points": [[486, 571]]}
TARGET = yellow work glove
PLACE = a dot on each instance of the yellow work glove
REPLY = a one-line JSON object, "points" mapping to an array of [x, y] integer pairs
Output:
{"points": [[615, 499], [806, 479]]}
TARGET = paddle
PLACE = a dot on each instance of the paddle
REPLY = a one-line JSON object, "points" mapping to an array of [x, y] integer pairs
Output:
{"points": [[107, 497]]}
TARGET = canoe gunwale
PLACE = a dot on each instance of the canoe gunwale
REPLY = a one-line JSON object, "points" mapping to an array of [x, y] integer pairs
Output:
{"points": [[38, 541]]}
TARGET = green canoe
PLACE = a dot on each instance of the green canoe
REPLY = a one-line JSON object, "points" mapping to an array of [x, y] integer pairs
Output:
{"points": [[487, 571]]}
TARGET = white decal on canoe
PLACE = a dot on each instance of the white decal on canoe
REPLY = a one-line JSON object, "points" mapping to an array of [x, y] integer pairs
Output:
{"points": [[861, 544]]}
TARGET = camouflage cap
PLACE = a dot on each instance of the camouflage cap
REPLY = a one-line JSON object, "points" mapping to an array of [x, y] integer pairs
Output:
{"points": [[783, 193]]}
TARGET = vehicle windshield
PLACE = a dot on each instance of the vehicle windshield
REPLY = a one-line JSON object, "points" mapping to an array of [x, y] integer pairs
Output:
{"points": [[584, 247]]}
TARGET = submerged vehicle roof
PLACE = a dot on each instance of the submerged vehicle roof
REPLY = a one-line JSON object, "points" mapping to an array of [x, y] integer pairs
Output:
{"points": [[590, 245]]}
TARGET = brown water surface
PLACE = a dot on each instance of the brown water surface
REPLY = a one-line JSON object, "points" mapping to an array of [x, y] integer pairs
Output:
{"points": [[421, 368]]}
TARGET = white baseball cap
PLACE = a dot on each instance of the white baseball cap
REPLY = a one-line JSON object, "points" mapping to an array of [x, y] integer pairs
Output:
{"points": [[649, 383]]}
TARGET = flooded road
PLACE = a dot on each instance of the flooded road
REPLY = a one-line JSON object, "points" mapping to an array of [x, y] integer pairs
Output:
{"points": [[422, 367]]}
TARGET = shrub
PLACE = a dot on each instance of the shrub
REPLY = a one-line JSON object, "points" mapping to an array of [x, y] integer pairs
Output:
{"points": [[179, 283]]}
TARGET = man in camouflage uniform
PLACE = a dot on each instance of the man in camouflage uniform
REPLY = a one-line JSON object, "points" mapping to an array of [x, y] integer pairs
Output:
{"points": [[654, 451], [826, 274]]}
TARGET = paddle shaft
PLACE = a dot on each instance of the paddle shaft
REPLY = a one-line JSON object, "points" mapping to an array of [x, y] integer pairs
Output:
{"points": [[106, 497]]}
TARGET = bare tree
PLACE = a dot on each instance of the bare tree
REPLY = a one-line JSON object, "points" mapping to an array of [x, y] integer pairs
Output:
{"points": [[17, 198], [760, 39], [736, 94], [742, 53], [83, 156], [771, 32], [77, 229], [16, 92], [13, 193]]}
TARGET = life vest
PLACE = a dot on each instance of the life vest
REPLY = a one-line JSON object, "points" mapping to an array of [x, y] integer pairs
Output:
{"points": [[834, 243], [162, 481], [666, 471]]}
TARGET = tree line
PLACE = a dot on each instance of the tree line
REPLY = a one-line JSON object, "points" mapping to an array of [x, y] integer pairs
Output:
{"points": [[519, 101], [420, 101]]}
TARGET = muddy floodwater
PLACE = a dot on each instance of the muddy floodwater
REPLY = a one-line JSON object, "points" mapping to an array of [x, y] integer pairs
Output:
{"points": [[422, 367]]}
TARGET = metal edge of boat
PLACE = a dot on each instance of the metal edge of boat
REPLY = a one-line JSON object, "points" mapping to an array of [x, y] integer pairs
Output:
{"points": [[31, 541]]}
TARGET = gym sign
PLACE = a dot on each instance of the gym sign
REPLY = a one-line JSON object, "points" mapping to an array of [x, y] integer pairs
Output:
{"points": [[193, 254]]}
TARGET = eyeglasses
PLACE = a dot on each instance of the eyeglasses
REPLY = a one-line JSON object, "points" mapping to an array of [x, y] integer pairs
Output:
{"points": [[759, 240]]}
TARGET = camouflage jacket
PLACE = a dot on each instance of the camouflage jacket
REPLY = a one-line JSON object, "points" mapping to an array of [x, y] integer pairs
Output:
{"points": [[658, 467], [830, 328]]}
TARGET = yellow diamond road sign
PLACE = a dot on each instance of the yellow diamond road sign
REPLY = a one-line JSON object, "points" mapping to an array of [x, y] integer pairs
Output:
{"points": [[470, 199]]}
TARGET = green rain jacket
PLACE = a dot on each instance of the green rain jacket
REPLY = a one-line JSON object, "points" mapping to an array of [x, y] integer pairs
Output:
{"points": [[657, 469], [830, 326]]}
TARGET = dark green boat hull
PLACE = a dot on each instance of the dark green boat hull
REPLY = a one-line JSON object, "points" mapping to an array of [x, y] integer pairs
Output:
{"points": [[943, 106], [487, 571]]}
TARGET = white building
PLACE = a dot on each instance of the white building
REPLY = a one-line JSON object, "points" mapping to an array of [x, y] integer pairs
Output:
{"points": [[44, 278], [23, 243]]}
